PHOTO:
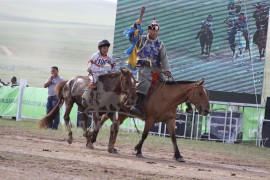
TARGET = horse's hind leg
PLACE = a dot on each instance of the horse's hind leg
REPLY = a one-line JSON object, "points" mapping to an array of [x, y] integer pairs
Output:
{"points": [[69, 105], [202, 46], [171, 128]]}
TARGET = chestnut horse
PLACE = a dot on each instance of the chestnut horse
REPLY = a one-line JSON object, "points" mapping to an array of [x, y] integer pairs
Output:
{"points": [[113, 90], [161, 106]]}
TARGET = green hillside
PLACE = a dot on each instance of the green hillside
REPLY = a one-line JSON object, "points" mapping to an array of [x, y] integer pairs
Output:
{"points": [[36, 35]]}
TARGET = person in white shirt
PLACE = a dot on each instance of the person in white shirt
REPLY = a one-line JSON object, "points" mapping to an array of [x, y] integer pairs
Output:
{"points": [[96, 64]]}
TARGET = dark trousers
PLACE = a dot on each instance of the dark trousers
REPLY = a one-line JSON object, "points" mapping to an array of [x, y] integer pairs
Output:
{"points": [[51, 103]]}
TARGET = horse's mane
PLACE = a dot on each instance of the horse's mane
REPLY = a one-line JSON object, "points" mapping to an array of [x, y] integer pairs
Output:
{"points": [[178, 82], [114, 74], [110, 75]]}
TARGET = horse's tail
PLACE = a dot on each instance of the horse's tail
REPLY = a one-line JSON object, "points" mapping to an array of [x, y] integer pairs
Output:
{"points": [[47, 120]]}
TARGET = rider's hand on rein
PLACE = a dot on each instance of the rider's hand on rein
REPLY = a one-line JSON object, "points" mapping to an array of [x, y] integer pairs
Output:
{"points": [[168, 74]]}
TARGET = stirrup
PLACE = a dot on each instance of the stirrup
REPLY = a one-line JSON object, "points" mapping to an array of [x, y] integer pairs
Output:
{"points": [[135, 110]]}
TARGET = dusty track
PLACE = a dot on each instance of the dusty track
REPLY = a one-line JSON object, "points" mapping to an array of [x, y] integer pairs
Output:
{"points": [[25, 155]]}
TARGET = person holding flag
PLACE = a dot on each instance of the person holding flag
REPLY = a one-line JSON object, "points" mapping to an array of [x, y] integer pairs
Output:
{"points": [[149, 55]]}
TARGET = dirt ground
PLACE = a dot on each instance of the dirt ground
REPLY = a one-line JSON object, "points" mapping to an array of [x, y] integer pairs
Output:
{"points": [[25, 155]]}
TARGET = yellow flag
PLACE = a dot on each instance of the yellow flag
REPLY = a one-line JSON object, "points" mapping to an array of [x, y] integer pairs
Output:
{"points": [[132, 61]]}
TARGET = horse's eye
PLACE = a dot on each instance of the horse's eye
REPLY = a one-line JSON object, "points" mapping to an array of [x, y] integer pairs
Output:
{"points": [[200, 93]]}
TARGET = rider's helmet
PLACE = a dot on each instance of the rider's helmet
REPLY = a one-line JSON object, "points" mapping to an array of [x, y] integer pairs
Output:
{"points": [[258, 5], [209, 18], [104, 42], [154, 25]]}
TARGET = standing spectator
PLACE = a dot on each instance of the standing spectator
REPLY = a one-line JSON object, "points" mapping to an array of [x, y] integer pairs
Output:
{"points": [[52, 98], [13, 82], [2, 83]]}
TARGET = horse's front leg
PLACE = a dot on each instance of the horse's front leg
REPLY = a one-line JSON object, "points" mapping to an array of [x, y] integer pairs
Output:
{"points": [[232, 46], [113, 134], [260, 52], [84, 124], [202, 46], [83, 120], [148, 124], [114, 131], [209, 48], [171, 128], [96, 127], [92, 136]]}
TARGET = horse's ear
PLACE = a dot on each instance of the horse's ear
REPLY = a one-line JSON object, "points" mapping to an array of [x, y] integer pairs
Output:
{"points": [[199, 83]]}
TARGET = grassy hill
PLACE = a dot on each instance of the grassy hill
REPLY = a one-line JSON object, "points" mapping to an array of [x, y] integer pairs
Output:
{"points": [[36, 35]]}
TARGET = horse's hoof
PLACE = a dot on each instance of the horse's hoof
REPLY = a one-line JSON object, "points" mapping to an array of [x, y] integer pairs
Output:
{"points": [[90, 146], [69, 140], [139, 156], [112, 150], [181, 159]]}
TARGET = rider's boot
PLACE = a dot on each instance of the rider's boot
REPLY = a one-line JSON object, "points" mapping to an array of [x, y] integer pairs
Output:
{"points": [[136, 108]]}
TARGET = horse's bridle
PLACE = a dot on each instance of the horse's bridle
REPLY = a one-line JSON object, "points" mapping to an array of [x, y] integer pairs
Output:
{"points": [[126, 91], [191, 97]]}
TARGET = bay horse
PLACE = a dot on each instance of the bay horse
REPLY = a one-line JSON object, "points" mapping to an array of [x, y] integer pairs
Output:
{"points": [[118, 88], [259, 39], [206, 39], [161, 106]]}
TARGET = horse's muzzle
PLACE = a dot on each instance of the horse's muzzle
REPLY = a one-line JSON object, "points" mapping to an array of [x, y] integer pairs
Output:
{"points": [[205, 112]]}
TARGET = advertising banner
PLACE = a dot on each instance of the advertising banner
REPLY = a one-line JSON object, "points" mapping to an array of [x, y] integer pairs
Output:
{"points": [[33, 103], [8, 100]]}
